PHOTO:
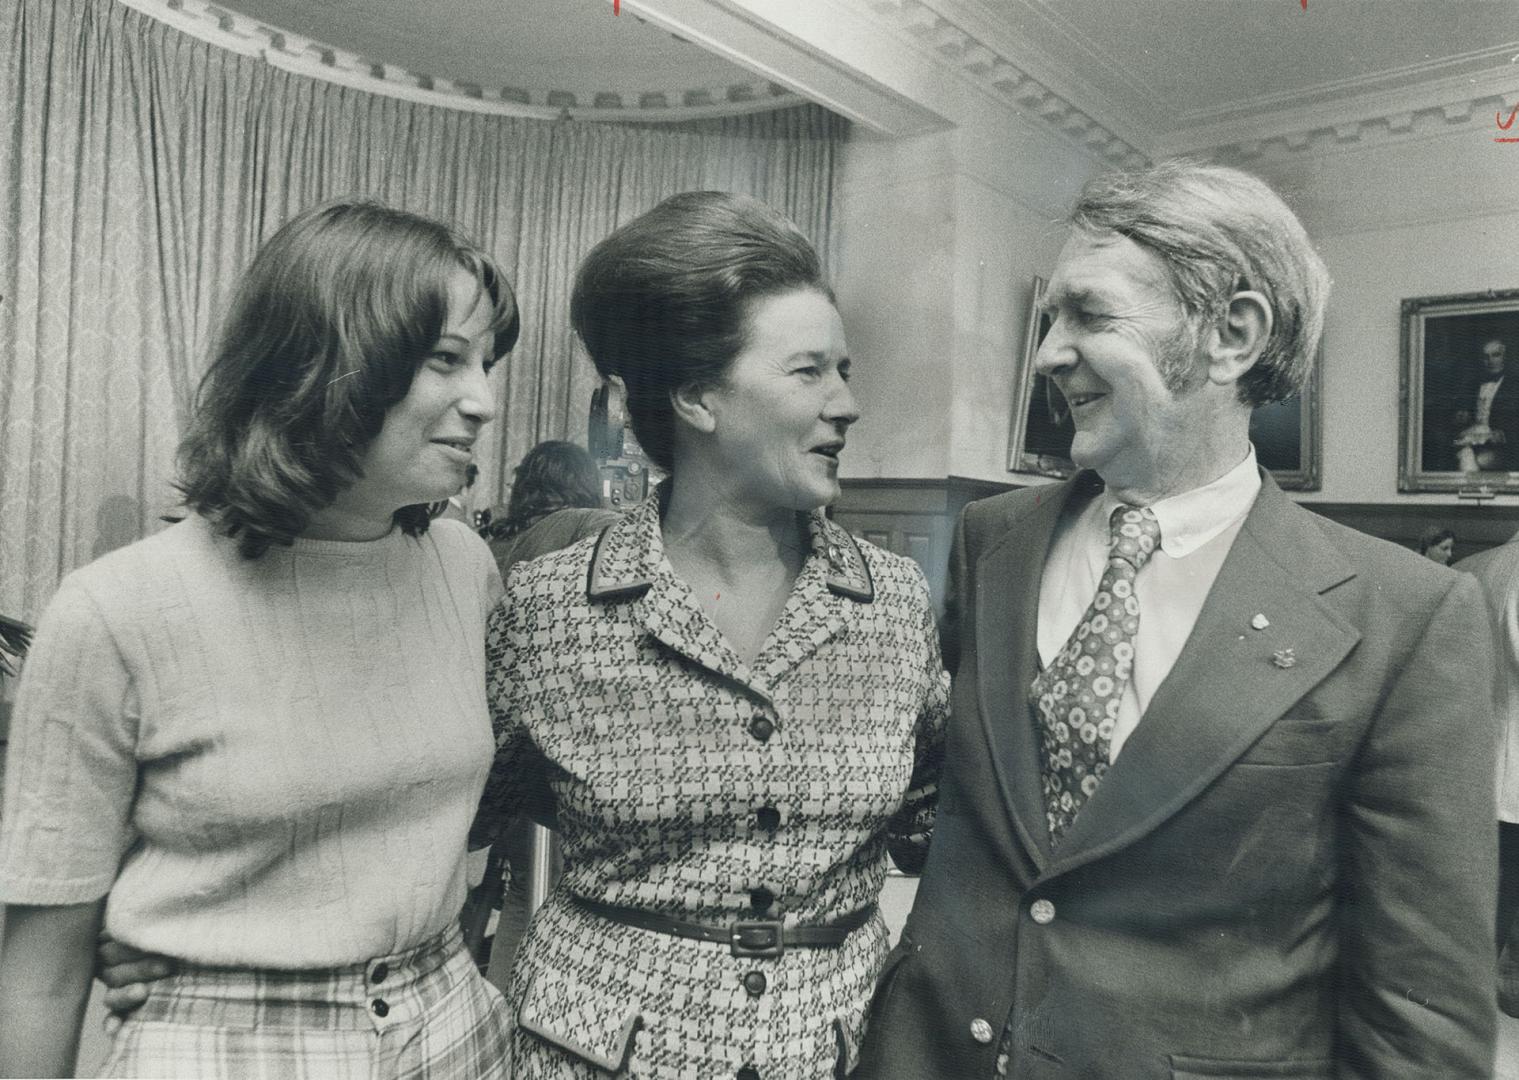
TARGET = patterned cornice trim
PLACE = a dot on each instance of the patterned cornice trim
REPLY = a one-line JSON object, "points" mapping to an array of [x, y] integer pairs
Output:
{"points": [[951, 45], [1453, 104], [303, 56], [1388, 105]]}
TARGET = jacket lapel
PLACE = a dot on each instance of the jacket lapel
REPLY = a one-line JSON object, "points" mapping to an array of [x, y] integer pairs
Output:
{"points": [[1007, 579], [629, 564], [1231, 682], [834, 582]]}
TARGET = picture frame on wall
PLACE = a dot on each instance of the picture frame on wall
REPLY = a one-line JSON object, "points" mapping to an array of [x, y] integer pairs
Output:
{"points": [[1042, 428], [1286, 435], [1459, 393]]}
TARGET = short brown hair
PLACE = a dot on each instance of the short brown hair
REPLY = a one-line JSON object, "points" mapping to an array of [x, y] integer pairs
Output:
{"points": [[325, 332]]}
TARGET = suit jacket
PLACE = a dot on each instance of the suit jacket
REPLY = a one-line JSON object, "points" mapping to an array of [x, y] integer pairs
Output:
{"points": [[1287, 872]]}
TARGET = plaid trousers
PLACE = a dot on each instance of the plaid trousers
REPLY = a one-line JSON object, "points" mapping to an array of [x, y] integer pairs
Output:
{"points": [[422, 1014]]}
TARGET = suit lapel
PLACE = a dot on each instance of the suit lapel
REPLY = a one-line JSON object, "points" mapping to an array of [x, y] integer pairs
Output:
{"points": [[1007, 579], [1231, 682]]}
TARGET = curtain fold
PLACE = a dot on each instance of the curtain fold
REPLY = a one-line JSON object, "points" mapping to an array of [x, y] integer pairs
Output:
{"points": [[139, 170]]}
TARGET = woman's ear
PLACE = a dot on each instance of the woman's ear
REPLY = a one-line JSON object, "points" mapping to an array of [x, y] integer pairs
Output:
{"points": [[1239, 337], [692, 405]]}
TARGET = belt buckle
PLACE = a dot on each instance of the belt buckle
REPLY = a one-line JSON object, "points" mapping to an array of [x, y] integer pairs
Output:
{"points": [[758, 937]]}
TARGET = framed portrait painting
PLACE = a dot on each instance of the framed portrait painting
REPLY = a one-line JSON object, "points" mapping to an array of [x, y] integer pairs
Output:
{"points": [[1286, 434], [1459, 395]]}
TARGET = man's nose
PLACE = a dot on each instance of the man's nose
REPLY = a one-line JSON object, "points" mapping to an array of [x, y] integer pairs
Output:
{"points": [[1055, 352]]}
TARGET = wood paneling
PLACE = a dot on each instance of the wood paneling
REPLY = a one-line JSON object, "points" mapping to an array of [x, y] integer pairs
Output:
{"points": [[917, 518]]}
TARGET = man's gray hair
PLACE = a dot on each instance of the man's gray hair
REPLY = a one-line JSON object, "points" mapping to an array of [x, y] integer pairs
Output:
{"points": [[1220, 230]]}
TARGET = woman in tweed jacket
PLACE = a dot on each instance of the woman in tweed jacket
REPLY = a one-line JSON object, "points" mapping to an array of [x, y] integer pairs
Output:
{"points": [[732, 706]]}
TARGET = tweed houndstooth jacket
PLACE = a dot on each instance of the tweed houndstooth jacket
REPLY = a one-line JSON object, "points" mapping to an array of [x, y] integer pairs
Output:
{"points": [[688, 783]]}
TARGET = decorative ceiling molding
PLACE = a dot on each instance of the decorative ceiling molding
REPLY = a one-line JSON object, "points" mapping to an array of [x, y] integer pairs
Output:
{"points": [[976, 38], [984, 60], [1478, 116], [1455, 101], [304, 56], [839, 57]]}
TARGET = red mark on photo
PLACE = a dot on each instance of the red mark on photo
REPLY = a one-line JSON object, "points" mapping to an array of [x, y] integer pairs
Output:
{"points": [[1305, 5], [1502, 126], [617, 6]]}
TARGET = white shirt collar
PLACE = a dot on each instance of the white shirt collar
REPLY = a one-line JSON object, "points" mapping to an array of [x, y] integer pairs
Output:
{"points": [[1189, 520]]}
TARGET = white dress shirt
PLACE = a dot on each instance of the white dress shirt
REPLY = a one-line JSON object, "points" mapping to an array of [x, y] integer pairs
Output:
{"points": [[1197, 528]]}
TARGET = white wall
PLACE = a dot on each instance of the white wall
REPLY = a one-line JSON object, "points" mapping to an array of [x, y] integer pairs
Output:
{"points": [[1434, 214], [940, 238], [894, 279], [1003, 244]]}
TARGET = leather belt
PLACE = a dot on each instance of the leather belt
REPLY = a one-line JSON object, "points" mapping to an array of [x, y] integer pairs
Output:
{"points": [[746, 937]]}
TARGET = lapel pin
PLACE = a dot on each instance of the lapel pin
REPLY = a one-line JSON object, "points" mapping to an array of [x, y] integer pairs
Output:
{"points": [[1260, 622], [1284, 658]]}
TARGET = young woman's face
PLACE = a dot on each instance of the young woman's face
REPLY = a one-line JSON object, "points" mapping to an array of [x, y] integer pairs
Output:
{"points": [[428, 438]]}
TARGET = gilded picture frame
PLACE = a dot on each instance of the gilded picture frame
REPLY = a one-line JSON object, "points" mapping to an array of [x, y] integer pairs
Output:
{"points": [[1458, 400]]}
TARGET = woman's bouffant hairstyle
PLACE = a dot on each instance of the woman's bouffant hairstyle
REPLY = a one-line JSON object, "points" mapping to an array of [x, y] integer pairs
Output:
{"points": [[325, 332], [663, 303], [1218, 231], [554, 475]]}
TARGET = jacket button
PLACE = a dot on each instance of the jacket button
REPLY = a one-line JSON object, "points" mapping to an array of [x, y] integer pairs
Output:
{"points": [[381, 970], [378, 1007], [755, 983], [981, 1031], [760, 899], [1042, 911], [767, 818], [748, 1072], [761, 727]]}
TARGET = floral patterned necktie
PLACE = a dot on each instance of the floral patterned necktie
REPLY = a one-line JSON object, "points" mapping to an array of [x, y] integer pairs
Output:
{"points": [[1075, 700]]}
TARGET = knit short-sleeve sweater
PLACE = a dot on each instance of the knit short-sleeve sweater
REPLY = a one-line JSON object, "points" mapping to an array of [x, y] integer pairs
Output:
{"points": [[266, 763]]}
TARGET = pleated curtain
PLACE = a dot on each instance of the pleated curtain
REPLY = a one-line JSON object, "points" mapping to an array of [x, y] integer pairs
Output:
{"points": [[141, 167]]}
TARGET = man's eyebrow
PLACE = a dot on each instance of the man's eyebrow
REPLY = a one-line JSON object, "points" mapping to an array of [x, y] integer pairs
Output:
{"points": [[451, 336], [1071, 294]]}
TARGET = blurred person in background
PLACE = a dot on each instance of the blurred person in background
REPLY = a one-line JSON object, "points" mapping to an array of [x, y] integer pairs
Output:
{"points": [[1438, 544]]}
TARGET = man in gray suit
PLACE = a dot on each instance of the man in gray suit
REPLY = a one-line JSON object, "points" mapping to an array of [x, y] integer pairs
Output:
{"points": [[1218, 794]]}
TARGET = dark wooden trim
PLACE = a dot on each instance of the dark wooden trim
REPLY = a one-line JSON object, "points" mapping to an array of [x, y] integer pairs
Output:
{"points": [[1477, 527]]}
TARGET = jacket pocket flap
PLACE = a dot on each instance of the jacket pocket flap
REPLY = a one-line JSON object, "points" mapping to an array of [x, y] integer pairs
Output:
{"points": [[579, 1020], [1196, 1068]]}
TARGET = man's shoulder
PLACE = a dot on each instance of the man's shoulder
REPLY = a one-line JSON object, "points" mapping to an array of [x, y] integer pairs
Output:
{"points": [[1383, 570], [996, 512], [1494, 564]]}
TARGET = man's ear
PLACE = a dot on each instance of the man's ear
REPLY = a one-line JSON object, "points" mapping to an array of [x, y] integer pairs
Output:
{"points": [[1238, 338], [692, 405]]}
